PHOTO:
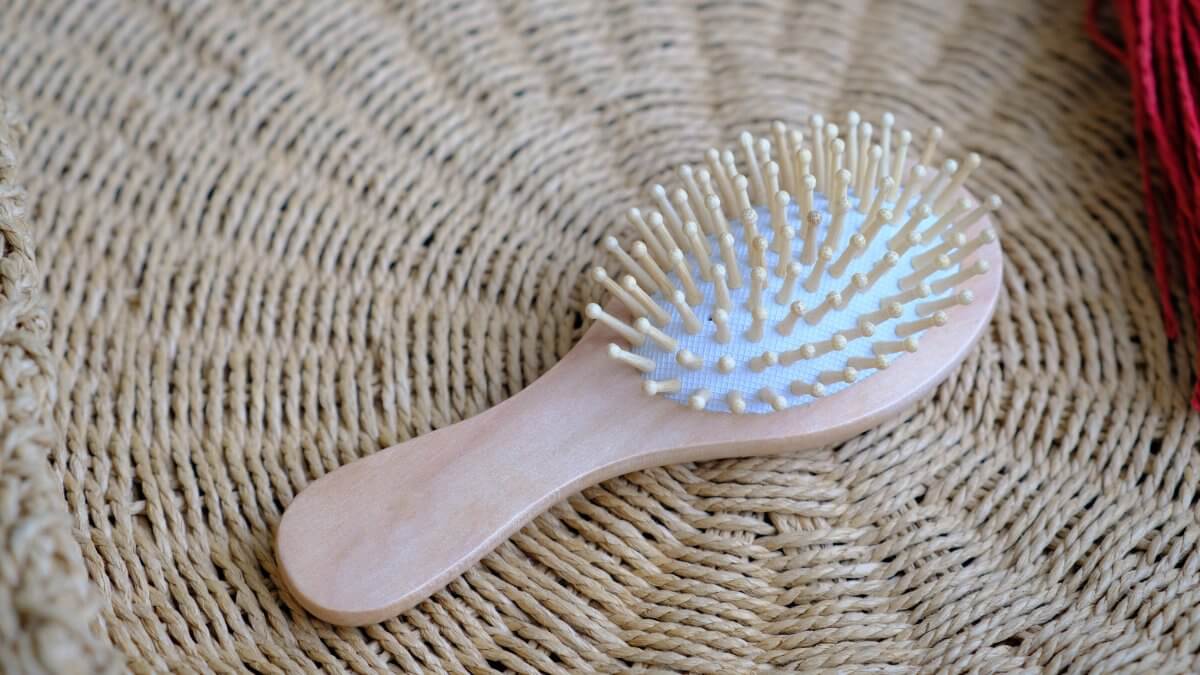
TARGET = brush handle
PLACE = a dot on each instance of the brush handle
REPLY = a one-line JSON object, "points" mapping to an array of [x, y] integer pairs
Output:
{"points": [[378, 535]]}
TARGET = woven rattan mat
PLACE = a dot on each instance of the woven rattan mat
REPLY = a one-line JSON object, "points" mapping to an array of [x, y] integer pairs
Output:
{"points": [[276, 237]]}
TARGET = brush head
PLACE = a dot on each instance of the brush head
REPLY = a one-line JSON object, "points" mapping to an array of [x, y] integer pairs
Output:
{"points": [[796, 274]]}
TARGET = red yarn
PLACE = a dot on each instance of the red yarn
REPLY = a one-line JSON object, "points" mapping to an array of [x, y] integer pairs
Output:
{"points": [[1161, 48]]}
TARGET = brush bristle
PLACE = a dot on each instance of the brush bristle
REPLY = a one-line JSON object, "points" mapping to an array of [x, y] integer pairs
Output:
{"points": [[813, 263]]}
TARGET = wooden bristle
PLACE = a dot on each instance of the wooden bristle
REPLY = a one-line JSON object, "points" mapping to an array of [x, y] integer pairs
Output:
{"points": [[614, 247], [869, 182], [921, 290], [737, 404], [814, 389], [862, 328], [895, 346], [758, 252], [796, 139], [779, 223], [688, 360], [662, 340], [808, 187], [980, 240], [749, 220], [831, 139], [716, 215], [640, 363], [867, 362], [805, 351], [956, 182], [831, 302], [691, 323], [784, 250], [600, 275], [695, 197], [741, 192], [721, 321], [879, 216], [949, 244], [669, 215], [885, 143], [792, 272], [729, 256], [891, 310], [788, 323], [852, 120], [684, 272], [755, 332], [753, 172], [865, 132], [641, 254], [909, 189], [771, 179], [683, 204], [896, 169], [964, 297], [854, 248], [837, 154], [858, 282], [931, 321], [848, 375], [699, 248], [595, 313], [941, 285], [652, 309], [812, 221], [721, 287], [653, 387], [947, 219], [899, 241], [647, 236], [817, 124], [931, 142], [772, 398], [887, 262], [722, 177], [758, 282], [785, 153], [989, 205], [930, 268], [934, 187], [764, 361], [813, 282]]}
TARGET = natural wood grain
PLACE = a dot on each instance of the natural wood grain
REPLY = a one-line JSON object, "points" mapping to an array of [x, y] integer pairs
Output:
{"points": [[381, 534]]}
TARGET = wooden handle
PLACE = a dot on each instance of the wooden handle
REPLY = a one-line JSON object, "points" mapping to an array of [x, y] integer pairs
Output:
{"points": [[378, 535]]}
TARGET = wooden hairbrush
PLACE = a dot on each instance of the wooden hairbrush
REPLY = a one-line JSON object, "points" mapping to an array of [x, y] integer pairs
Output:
{"points": [[773, 301]]}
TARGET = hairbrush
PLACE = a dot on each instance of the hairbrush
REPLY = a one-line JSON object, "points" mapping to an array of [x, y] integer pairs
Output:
{"points": [[783, 296]]}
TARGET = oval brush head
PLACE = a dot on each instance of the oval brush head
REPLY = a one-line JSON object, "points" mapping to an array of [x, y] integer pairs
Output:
{"points": [[796, 270]]}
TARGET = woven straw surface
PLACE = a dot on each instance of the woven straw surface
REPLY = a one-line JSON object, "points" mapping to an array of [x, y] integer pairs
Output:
{"points": [[276, 237]]}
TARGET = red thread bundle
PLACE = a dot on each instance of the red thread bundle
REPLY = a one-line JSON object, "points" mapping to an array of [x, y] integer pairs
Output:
{"points": [[1161, 50]]}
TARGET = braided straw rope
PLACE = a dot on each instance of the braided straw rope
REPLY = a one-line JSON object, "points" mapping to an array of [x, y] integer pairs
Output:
{"points": [[277, 237], [46, 603]]}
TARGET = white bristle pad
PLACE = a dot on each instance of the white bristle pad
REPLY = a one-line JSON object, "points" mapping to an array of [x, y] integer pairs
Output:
{"points": [[779, 377]]}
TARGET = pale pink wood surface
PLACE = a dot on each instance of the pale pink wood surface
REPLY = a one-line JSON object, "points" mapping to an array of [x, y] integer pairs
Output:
{"points": [[377, 536]]}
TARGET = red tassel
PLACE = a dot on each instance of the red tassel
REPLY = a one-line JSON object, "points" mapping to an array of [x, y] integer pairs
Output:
{"points": [[1161, 49]]}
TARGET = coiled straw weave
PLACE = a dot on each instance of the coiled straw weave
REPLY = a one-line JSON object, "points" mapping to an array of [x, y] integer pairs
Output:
{"points": [[275, 237]]}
